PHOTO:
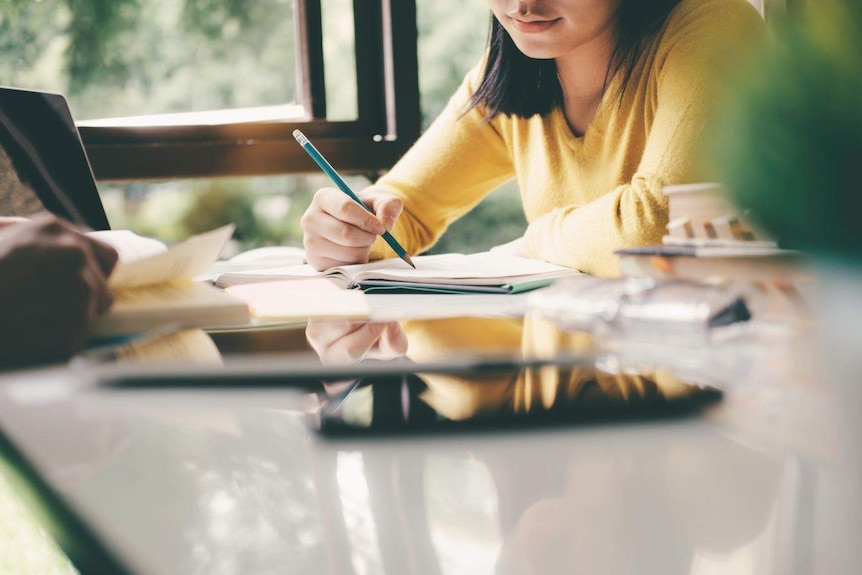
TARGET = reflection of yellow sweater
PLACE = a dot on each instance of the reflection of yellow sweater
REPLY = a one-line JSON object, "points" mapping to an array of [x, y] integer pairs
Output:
{"points": [[583, 197]]}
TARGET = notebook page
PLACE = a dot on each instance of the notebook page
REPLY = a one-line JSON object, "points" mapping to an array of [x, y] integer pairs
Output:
{"points": [[129, 245], [484, 268], [458, 269], [184, 260]]}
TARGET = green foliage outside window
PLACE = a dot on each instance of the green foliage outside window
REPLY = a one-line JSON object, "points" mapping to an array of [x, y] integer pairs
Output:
{"points": [[130, 57]]}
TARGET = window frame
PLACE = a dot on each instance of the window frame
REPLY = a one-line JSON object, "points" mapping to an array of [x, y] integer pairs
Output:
{"points": [[388, 122]]}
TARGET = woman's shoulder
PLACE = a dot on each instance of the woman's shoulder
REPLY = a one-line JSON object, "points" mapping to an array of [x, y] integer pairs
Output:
{"points": [[697, 29], [710, 18]]}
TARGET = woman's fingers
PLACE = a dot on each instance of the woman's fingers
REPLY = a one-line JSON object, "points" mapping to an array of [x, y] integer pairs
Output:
{"points": [[337, 230], [342, 342], [340, 234], [391, 344], [323, 254], [105, 255], [341, 207], [350, 342], [386, 206]]}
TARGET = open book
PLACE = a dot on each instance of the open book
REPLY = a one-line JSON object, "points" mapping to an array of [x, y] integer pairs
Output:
{"points": [[484, 272], [153, 285]]}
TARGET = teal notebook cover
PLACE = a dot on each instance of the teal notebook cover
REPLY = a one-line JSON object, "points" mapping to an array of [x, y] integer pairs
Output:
{"points": [[387, 286]]}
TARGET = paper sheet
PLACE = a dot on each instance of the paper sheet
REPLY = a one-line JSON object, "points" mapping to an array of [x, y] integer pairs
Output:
{"points": [[184, 260], [302, 299], [129, 245]]}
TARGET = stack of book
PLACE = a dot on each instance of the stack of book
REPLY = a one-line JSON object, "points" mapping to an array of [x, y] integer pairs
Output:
{"points": [[710, 239]]}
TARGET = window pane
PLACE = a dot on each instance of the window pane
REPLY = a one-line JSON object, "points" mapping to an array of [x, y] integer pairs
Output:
{"points": [[451, 41], [339, 60], [130, 57]]}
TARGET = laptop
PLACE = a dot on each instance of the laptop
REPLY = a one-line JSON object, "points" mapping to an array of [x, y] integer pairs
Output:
{"points": [[39, 135]]}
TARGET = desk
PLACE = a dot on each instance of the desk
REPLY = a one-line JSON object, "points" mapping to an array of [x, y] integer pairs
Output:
{"points": [[232, 480]]}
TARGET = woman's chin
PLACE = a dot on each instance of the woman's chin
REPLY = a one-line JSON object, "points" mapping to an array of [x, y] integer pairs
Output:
{"points": [[538, 50]]}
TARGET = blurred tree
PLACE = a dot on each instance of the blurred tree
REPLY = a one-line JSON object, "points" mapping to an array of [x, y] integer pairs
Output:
{"points": [[221, 203], [452, 39], [95, 50], [26, 28], [499, 218], [129, 57]]}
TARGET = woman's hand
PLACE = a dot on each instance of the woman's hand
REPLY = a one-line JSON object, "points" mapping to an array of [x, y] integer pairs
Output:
{"points": [[345, 343], [53, 285], [339, 231]]}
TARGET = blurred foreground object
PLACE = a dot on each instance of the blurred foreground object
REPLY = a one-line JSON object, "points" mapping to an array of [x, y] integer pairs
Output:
{"points": [[791, 143], [53, 287], [678, 310], [790, 148], [702, 215], [711, 239]]}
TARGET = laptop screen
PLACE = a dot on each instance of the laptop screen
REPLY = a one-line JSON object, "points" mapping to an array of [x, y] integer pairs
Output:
{"points": [[39, 136]]}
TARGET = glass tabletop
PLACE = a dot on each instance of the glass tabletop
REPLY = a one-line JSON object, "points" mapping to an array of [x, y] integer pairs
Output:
{"points": [[191, 449]]}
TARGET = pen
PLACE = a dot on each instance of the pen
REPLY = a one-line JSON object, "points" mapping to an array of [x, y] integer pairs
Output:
{"points": [[342, 185]]}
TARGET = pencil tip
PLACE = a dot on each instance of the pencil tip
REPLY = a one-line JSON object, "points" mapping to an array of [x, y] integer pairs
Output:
{"points": [[407, 259]]}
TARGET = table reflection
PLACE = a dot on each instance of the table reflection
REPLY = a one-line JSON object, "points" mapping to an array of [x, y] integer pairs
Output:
{"points": [[546, 375], [351, 342], [245, 483], [546, 388], [344, 342], [639, 501]]}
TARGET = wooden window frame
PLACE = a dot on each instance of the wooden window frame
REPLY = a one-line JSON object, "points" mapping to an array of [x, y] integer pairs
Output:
{"points": [[388, 122]]}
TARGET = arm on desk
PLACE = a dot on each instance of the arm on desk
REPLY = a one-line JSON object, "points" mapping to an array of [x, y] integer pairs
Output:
{"points": [[53, 285]]}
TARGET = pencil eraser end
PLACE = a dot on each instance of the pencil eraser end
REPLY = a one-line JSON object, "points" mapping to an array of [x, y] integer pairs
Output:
{"points": [[300, 137]]}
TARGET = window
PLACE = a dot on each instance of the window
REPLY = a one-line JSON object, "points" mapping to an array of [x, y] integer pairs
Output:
{"points": [[207, 88], [267, 208]]}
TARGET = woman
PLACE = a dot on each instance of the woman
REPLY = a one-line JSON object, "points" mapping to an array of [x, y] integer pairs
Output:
{"points": [[593, 105]]}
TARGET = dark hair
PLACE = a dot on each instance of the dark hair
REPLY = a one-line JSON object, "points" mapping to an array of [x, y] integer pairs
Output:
{"points": [[516, 85]]}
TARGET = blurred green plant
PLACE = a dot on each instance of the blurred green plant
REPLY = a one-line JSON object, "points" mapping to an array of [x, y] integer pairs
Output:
{"points": [[791, 144], [499, 218], [451, 41], [222, 203], [266, 211]]}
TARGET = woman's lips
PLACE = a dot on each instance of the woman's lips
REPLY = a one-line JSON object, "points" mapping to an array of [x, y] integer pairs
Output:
{"points": [[533, 27]]}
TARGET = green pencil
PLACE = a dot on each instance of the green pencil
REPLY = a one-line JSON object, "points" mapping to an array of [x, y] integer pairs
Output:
{"points": [[342, 185]]}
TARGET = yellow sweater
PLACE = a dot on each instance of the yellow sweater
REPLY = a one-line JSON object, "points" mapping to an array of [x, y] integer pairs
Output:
{"points": [[583, 197]]}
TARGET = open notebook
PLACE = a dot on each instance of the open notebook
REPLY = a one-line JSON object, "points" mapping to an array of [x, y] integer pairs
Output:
{"points": [[484, 272]]}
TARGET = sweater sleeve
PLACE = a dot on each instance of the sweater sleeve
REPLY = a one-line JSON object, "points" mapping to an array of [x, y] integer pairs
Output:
{"points": [[696, 51], [457, 162]]}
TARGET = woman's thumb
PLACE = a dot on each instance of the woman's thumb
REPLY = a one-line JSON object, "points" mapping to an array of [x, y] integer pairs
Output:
{"points": [[388, 209]]}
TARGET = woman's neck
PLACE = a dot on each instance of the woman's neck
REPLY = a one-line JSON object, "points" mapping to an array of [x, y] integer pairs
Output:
{"points": [[583, 75]]}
